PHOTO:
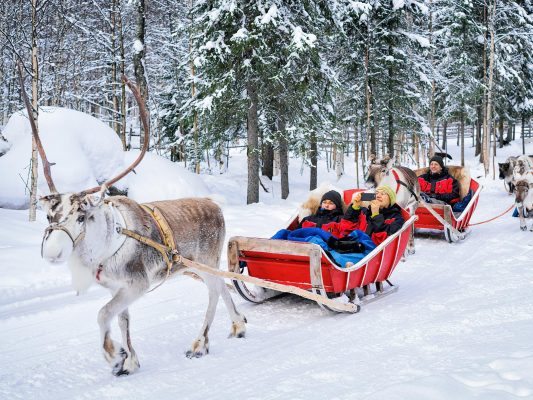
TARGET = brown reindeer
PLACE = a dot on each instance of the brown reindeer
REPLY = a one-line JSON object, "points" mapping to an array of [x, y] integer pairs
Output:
{"points": [[87, 231]]}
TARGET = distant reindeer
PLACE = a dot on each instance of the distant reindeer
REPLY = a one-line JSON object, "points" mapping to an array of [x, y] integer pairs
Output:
{"points": [[401, 179], [88, 232], [506, 173], [522, 167]]}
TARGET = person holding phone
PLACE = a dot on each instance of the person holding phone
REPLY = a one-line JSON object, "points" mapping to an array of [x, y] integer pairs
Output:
{"points": [[381, 218]]}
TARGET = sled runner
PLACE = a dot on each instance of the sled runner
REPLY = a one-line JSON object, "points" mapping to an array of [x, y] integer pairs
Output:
{"points": [[307, 266], [454, 225]]}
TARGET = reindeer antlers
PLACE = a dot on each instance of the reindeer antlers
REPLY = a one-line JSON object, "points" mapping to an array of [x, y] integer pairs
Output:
{"points": [[35, 131], [46, 165], [144, 118]]}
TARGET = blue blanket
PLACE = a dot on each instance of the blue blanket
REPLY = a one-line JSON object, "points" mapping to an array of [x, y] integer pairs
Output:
{"points": [[320, 237], [461, 205], [515, 212]]}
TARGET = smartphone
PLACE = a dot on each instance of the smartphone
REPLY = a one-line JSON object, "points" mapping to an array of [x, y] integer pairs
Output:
{"points": [[368, 196]]}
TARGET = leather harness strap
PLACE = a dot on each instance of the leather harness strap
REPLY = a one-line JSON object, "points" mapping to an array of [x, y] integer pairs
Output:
{"points": [[397, 178], [168, 249]]}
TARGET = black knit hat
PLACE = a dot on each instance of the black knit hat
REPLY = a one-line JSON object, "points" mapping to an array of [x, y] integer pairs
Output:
{"points": [[334, 196], [438, 160]]}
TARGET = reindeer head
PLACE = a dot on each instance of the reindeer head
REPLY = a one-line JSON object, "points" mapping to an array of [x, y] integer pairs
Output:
{"points": [[504, 169], [67, 214], [521, 190], [377, 169]]}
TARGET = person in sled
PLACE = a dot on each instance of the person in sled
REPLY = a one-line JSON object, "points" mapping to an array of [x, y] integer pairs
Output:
{"points": [[331, 225], [437, 186], [330, 217], [382, 218], [330, 211]]}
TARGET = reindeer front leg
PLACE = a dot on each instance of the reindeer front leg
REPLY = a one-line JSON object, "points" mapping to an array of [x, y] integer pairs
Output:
{"points": [[523, 224], [123, 359], [129, 363]]}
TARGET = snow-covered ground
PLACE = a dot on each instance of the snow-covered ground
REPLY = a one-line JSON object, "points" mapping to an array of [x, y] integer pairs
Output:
{"points": [[460, 326]]}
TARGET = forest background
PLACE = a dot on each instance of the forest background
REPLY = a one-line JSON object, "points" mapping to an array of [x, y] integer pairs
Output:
{"points": [[304, 79]]}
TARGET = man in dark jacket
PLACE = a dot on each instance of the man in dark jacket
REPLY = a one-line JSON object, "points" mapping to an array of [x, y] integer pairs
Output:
{"points": [[438, 184]]}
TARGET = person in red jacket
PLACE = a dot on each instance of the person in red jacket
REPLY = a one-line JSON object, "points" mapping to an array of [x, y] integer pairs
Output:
{"points": [[437, 185], [381, 219], [330, 217]]}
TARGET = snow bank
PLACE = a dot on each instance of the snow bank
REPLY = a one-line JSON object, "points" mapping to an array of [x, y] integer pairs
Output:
{"points": [[85, 151], [157, 178]]}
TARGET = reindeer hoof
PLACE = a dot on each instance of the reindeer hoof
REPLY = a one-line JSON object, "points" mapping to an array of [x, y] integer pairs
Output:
{"points": [[524, 228], [238, 329], [120, 371], [196, 354], [126, 365], [199, 349]]}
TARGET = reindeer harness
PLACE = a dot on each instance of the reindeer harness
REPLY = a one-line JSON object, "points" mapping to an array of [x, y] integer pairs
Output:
{"points": [[168, 249], [400, 182]]}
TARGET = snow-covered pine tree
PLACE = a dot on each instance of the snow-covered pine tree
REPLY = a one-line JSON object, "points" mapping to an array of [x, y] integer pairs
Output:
{"points": [[384, 67], [459, 31], [254, 59], [513, 86]]}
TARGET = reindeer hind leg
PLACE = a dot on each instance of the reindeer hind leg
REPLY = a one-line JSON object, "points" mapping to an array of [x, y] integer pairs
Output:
{"points": [[200, 346], [238, 325]]}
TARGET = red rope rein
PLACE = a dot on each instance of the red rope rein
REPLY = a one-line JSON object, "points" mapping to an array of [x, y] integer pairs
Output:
{"points": [[492, 219]]}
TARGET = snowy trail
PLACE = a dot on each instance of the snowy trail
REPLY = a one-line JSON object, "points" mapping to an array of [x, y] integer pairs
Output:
{"points": [[459, 326]]}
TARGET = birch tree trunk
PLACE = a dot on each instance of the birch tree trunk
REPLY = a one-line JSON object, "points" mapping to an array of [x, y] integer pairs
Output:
{"points": [[122, 72], [486, 160], [34, 101], [139, 57], [432, 61], [114, 68], [339, 161]]}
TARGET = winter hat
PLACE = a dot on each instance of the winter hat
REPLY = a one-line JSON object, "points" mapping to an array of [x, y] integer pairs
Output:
{"points": [[389, 191], [438, 160], [334, 196]]}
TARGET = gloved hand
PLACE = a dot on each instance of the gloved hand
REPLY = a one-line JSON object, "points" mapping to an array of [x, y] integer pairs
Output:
{"points": [[346, 245]]}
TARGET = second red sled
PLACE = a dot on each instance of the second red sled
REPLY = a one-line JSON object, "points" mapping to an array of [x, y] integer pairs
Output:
{"points": [[454, 226]]}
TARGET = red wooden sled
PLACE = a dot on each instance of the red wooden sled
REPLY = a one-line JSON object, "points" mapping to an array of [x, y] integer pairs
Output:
{"points": [[307, 266], [459, 223]]}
